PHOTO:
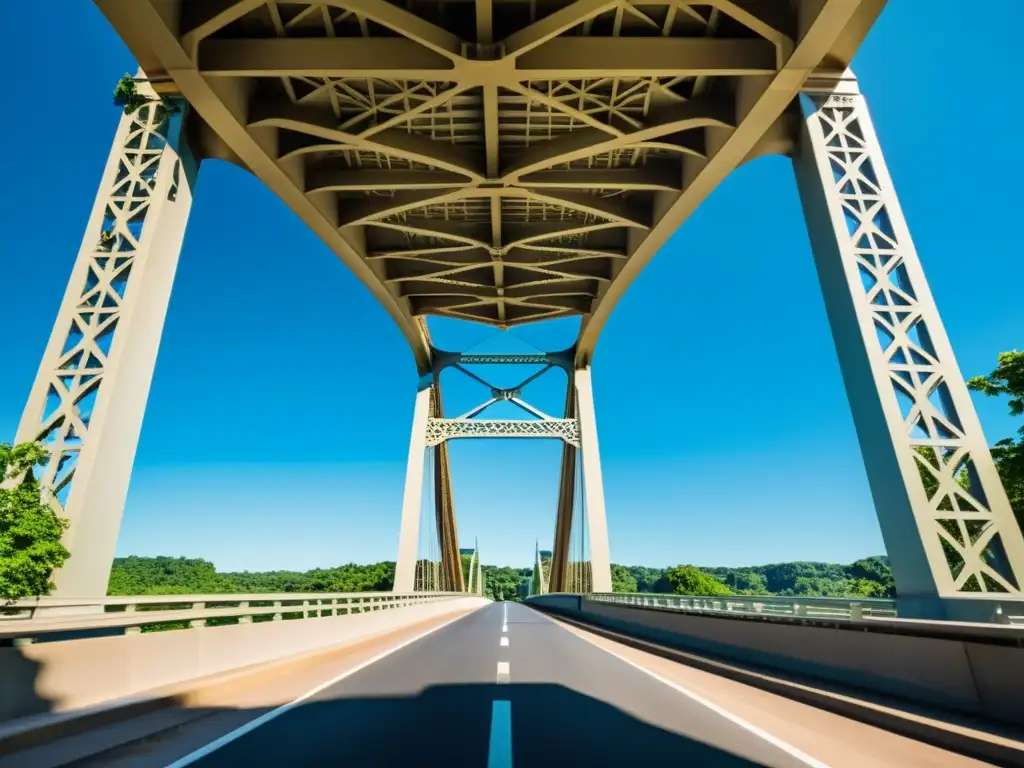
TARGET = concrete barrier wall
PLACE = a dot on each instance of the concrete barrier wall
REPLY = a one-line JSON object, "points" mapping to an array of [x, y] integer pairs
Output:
{"points": [[557, 602], [71, 674], [972, 677]]}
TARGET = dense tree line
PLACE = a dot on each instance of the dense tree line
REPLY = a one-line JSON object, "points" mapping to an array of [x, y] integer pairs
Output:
{"points": [[869, 577], [182, 575]]}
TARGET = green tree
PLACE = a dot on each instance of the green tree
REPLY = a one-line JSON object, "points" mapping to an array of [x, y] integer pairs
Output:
{"points": [[30, 531], [1008, 454], [622, 579], [503, 583], [690, 580], [873, 578]]}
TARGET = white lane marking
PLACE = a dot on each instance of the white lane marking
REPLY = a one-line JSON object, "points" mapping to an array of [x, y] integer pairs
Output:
{"points": [[735, 719], [263, 719], [499, 753], [504, 641], [504, 672]]}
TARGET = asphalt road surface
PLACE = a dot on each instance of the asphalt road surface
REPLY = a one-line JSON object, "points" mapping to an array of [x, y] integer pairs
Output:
{"points": [[503, 686]]}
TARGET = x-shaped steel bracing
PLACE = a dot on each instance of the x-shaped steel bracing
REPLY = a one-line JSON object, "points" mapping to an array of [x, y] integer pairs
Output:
{"points": [[469, 425]]}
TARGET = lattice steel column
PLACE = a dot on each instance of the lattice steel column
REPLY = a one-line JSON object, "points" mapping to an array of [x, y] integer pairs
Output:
{"points": [[948, 528], [89, 396], [593, 483], [409, 535]]}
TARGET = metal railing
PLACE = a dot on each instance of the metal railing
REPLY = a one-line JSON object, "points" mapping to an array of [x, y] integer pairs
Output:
{"points": [[756, 605], [26, 620]]}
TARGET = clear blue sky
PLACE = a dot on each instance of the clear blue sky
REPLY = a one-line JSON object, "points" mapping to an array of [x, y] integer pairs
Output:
{"points": [[278, 420]]}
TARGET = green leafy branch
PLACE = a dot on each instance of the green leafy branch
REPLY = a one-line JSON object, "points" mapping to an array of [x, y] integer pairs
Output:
{"points": [[127, 96], [30, 531]]}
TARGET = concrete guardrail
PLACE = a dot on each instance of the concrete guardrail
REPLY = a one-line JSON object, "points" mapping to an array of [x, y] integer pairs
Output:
{"points": [[62, 675]]}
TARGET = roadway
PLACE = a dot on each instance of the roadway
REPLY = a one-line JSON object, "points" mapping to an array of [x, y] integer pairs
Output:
{"points": [[505, 685]]}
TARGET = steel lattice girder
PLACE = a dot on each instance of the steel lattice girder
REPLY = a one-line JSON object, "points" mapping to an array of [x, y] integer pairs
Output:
{"points": [[520, 167], [440, 430]]}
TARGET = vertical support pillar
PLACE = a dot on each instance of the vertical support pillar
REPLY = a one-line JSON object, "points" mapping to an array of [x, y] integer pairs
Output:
{"points": [[593, 483], [953, 543], [566, 498], [89, 396], [444, 502], [408, 538]]}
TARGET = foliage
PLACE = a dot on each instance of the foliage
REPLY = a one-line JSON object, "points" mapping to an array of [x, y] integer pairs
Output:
{"points": [[647, 579], [504, 583], [180, 575], [690, 580], [30, 531], [622, 579], [1008, 453], [1006, 379], [870, 577], [165, 576], [126, 94]]}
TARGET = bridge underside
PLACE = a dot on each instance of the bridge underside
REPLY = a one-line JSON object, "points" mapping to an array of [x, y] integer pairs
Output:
{"points": [[500, 161]]}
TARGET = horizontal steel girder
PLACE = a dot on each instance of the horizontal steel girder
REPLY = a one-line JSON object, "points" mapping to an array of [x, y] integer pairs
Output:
{"points": [[440, 430]]}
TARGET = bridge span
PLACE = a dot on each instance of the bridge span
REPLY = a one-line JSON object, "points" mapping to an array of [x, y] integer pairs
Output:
{"points": [[508, 162], [414, 680]]}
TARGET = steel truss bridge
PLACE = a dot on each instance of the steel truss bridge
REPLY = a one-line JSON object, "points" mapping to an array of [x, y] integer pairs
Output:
{"points": [[507, 162]]}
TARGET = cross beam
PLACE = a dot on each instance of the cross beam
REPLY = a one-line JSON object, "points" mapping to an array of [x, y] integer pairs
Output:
{"points": [[564, 59]]}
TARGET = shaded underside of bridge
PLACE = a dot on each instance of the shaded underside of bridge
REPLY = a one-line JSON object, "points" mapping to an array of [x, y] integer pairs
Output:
{"points": [[498, 161]]}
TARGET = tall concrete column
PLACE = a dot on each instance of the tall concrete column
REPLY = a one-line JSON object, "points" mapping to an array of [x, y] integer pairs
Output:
{"points": [[89, 396], [955, 548], [593, 483], [412, 501]]}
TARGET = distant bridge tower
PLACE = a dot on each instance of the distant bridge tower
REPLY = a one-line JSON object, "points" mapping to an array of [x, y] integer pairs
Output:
{"points": [[580, 485]]}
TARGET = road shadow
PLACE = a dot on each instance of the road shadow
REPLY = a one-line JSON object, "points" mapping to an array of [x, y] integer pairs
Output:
{"points": [[448, 725], [19, 685]]}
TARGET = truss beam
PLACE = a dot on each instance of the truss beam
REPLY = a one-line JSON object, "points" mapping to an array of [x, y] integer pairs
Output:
{"points": [[441, 430], [564, 59]]}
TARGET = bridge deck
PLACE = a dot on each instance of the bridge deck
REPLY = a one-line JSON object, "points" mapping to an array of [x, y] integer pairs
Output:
{"points": [[574, 699]]}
